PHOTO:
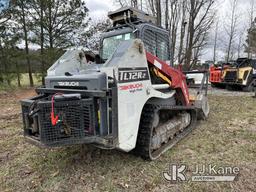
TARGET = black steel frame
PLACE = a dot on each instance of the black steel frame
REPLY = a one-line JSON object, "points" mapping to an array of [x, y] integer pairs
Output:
{"points": [[109, 140]]}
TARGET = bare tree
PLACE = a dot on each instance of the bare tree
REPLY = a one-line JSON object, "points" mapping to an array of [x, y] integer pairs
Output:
{"points": [[166, 14], [134, 3], [158, 12], [200, 21], [251, 18], [175, 9], [231, 28], [151, 6], [122, 3], [199, 45], [240, 40], [215, 41], [183, 24], [186, 20], [251, 12]]}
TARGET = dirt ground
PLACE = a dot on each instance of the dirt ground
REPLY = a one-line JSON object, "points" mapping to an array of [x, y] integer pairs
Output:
{"points": [[228, 137]]}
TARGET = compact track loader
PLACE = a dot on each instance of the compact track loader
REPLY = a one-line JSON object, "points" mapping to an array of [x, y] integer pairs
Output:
{"points": [[242, 75], [125, 98], [217, 74]]}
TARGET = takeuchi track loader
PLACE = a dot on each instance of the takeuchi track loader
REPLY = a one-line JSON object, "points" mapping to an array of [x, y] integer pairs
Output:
{"points": [[125, 98]]}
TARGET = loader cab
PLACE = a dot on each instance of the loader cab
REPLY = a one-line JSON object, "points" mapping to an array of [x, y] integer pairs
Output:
{"points": [[155, 39], [243, 62]]}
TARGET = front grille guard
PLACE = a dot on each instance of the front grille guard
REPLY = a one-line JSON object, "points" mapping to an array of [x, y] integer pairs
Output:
{"points": [[231, 76], [87, 120]]}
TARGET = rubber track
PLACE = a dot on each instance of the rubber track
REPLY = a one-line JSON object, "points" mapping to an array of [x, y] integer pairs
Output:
{"points": [[144, 135]]}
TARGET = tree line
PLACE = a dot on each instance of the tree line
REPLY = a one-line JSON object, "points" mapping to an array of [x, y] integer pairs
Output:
{"points": [[51, 25]]}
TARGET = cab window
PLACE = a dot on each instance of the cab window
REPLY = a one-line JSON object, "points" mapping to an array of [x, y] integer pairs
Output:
{"points": [[111, 43]]}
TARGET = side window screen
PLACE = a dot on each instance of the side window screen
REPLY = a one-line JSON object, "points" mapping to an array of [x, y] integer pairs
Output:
{"points": [[162, 46], [150, 41], [157, 44]]}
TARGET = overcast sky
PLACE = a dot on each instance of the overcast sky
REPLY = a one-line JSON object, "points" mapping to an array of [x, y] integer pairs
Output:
{"points": [[99, 8]]}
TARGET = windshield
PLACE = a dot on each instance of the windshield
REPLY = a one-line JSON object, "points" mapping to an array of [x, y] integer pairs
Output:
{"points": [[111, 43]]}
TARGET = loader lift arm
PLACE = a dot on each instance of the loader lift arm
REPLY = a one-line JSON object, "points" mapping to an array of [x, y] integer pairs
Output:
{"points": [[178, 79], [158, 133]]}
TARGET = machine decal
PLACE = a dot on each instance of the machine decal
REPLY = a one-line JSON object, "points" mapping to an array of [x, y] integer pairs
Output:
{"points": [[157, 64], [69, 83], [131, 87], [132, 74]]}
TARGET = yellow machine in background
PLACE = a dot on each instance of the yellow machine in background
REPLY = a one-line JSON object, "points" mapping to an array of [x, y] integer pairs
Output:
{"points": [[242, 76]]}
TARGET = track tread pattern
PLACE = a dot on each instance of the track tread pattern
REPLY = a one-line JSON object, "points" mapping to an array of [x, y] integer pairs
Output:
{"points": [[144, 134], [146, 123]]}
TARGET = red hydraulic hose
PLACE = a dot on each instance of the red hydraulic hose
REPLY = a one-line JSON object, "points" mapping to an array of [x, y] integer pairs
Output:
{"points": [[54, 119]]}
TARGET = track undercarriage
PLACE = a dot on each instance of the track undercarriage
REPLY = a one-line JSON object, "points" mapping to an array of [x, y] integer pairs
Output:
{"points": [[161, 128]]}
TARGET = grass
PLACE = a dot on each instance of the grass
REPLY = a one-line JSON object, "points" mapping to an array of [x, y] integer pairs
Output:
{"points": [[228, 137], [24, 82]]}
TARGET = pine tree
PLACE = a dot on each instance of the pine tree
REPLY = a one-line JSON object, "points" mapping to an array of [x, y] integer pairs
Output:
{"points": [[62, 20], [20, 15], [57, 24]]}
